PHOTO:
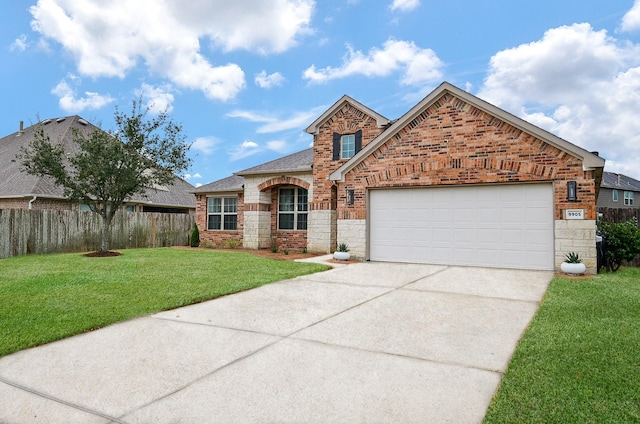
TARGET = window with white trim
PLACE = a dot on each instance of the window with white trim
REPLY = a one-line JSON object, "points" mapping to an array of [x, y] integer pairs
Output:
{"points": [[222, 213], [614, 195], [292, 208], [628, 198], [347, 146]]}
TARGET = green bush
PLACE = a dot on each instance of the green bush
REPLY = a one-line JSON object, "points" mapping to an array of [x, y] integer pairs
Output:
{"points": [[195, 237], [207, 244], [231, 244], [622, 242]]}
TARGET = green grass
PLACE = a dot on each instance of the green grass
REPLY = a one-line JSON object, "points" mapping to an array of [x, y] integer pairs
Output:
{"points": [[579, 361], [48, 297]]}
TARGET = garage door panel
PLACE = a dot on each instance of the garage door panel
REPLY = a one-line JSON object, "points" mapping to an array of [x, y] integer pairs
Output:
{"points": [[501, 226]]}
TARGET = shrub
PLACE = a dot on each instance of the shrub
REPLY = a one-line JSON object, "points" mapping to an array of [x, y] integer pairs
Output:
{"points": [[207, 244], [343, 247], [194, 241], [231, 244], [274, 245], [622, 242]]}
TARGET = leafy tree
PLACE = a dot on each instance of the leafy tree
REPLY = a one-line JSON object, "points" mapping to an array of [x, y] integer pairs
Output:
{"points": [[622, 242], [105, 168]]}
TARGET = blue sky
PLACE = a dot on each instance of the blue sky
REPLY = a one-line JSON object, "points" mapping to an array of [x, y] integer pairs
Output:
{"points": [[245, 78]]}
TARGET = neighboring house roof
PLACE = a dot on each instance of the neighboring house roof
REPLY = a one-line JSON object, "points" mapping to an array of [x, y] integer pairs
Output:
{"points": [[296, 162], [619, 181], [17, 184], [590, 160], [315, 125], [234, 183]]}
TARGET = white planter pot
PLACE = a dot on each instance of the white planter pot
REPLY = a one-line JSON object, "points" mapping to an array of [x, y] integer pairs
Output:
{"points": [[574, 269], [341, 256]]}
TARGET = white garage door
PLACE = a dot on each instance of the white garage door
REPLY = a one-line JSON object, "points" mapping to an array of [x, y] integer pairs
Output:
{"points": [[506, 226]]}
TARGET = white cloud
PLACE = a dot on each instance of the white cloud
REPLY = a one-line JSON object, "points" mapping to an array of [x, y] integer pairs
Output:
{"points": [[418, 65], [246, 149], [267, 81], [19, 43], [158, 99], [110, 39], [631, 20], [404, 5], [206, 145], [578, 83], [272, 124], [279, 146], [69, 102], [188, 177]]}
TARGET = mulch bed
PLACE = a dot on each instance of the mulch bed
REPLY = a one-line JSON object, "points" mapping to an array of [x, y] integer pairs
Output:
{"points": [[107, 254]]}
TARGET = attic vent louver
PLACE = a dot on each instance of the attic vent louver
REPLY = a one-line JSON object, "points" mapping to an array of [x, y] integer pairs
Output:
{"points": [[60, 119], [82, 121]]}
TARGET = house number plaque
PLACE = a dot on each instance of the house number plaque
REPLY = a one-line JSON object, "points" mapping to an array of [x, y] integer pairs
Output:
{"points": [[574, 214]]}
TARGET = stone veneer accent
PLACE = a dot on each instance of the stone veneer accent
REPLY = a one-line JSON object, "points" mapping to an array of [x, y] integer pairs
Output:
{"points": [[354, 233], [261, 206], [322, 231], [257, 229], [576, 236]]}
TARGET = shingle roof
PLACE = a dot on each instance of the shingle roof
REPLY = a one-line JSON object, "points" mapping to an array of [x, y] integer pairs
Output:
{"points": [[296, 162], [17, 184], [234, 183], [619, 181]]}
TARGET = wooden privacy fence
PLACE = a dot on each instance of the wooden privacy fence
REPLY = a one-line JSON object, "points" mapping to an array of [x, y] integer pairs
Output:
{"points": [[619, 214], [25, 232]]}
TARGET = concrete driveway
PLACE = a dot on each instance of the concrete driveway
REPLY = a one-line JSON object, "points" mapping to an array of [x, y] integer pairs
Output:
{"points": [[369, 342]]}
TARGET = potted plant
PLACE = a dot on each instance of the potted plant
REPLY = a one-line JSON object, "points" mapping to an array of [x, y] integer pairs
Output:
{"points": [[342, 254], [573, 264]]}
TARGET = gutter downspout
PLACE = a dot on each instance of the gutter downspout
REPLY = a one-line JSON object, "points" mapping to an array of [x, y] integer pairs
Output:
{"points": [[31, 202]]}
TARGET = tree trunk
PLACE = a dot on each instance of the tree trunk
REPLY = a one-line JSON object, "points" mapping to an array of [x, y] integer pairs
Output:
{"points": [[104, 247]]}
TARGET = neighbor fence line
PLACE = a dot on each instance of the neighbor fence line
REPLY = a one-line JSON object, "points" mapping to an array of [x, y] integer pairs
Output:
{"points": [[619, 214], [25, 231]]}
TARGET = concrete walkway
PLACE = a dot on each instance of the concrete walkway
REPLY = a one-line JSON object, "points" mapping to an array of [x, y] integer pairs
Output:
{"points": [[368, 342]]}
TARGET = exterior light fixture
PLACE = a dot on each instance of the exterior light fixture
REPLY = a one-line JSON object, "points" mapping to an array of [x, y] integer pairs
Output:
{"points": [[350, 197], [572, 191]]}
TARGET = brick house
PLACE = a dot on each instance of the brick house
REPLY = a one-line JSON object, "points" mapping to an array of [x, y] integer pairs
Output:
{"points": [[19, 190], [455, 180], [619, 191]]}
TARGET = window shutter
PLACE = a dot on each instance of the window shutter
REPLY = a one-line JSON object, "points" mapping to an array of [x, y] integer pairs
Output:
{"points": [[336, 146], [358, 142]]}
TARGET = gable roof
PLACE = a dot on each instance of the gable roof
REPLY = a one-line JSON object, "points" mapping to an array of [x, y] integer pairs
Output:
{"points": [[314, 128], [589, 160], [619, 181], [296, 162], [17, 184], [232, 184]]}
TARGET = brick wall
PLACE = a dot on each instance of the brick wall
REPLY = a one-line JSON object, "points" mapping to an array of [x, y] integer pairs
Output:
{"points": [[452, 143], [347, 120], [218, 236]]}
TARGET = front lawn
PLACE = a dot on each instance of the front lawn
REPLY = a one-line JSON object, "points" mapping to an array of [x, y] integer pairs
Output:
{"points": [[49, 297], [579, 361]]}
